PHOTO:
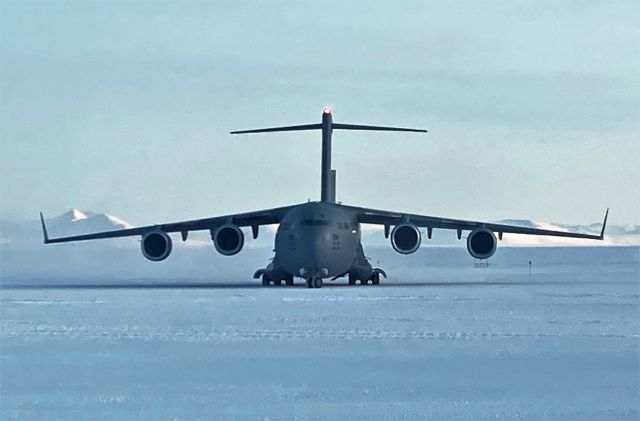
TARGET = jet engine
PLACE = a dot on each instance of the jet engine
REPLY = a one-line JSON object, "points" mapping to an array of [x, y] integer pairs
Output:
{"points": [[228, 239], [481, 243], [156, 245], [405, 238]]}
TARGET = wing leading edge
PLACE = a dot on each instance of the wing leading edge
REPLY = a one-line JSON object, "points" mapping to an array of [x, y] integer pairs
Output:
{"points": [[387, 218], [252, 219], [365, 216]]}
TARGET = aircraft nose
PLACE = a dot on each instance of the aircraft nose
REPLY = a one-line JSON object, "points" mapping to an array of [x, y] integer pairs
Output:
{"points": [[309, 241], [313, 247], [309, 253]]}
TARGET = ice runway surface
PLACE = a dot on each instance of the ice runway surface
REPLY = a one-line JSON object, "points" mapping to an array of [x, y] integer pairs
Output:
{"points": [[563, 344]]}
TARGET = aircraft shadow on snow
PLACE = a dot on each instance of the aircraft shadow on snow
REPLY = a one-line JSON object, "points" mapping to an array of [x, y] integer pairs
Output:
{"points": [[256, 285]]}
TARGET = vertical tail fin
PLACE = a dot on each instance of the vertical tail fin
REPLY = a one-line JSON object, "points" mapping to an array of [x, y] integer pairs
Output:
{"points": [[332, 186], [327, 180]]}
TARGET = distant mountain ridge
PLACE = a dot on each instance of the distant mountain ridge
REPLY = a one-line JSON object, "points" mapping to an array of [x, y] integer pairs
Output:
{"points": [[629, 229], [72, 222], [75, 221]]}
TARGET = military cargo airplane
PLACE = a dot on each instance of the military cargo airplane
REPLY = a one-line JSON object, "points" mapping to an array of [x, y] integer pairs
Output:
{"points": [[321, 240]]}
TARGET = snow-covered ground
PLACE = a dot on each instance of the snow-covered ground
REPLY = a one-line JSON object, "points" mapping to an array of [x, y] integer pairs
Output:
{"points": [[441, 342]]}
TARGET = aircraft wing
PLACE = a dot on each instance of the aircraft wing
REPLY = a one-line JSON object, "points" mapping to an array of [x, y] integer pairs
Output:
{"points": [[387, 218], [253, 219]]}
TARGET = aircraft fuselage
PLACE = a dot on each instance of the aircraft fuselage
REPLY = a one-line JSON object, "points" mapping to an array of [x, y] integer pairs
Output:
{"points": [[319, 239]]}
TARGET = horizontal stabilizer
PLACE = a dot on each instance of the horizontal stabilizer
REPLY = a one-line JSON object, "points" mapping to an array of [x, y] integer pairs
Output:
{"points": [[335, 126], [375, 128], [281, 129]]}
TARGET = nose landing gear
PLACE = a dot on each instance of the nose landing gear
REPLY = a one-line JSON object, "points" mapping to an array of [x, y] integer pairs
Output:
{"points": [[314, 283], [314, 276]]}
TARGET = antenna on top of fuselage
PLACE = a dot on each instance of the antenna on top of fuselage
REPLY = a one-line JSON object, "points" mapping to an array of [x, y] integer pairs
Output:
{"points": [[327, 180]]}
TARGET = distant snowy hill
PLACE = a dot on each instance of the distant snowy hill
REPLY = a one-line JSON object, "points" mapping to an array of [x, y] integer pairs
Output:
{"points": [[614, 235], [73, 222], [76, 222]]}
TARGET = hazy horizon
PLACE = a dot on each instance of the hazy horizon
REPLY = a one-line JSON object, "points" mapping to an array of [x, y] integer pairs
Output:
{"points": [[533, 109]]}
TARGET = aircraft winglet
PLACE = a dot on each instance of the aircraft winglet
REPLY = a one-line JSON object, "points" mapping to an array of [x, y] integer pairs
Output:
{"points": [[44, 229], [604, 224]]}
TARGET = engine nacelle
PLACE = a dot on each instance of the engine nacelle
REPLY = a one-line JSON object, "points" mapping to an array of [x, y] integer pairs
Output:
{"points": [[481, 243], [405, 238], [228, 239], [156, 245]]}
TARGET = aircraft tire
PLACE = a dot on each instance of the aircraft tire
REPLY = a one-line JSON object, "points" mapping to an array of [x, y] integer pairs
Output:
{"points": [[289, 280], [352, 280], [265, 280], [317, 283], [375, 279]]}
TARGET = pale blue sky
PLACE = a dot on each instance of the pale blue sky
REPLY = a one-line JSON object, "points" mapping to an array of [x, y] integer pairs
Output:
{"points": [[533, 107]]}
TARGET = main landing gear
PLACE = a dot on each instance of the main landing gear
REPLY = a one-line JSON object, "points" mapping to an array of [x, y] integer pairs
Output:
{"points": [[288, 281], [374, 278], [266, 281], [270, 276]]}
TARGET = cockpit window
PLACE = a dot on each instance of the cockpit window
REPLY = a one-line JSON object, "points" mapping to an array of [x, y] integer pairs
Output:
{"points": [[314, 222]]}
